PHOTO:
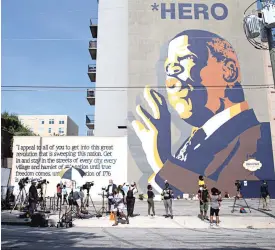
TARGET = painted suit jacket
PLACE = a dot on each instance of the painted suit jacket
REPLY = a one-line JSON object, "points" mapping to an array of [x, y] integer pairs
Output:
{"points": [[220, 157]]}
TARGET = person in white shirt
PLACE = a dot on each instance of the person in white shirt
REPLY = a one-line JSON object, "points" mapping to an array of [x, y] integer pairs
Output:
{"points": [[110, 191], [119, 206]]}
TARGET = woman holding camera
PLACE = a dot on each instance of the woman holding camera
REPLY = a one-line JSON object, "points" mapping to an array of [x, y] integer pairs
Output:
{"points": [[119, 206], [215, 204]]}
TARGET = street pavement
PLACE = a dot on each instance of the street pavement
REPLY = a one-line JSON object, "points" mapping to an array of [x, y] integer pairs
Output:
{"points": [[255, 230], [26, 238]]}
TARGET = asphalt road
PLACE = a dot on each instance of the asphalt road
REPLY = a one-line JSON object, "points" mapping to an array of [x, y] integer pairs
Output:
{"points": [[14, 237]]}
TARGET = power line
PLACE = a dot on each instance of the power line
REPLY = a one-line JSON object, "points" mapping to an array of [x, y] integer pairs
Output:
{"points": [[124, 87]]}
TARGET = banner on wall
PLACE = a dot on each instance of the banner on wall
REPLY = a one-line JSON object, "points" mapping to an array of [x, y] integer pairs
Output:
{"points": [[39, 158]]}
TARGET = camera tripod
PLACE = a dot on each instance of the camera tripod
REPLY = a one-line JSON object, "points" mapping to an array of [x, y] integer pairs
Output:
{"points": [[237, 197], [103, 209], [86, 202], [21, 198]]}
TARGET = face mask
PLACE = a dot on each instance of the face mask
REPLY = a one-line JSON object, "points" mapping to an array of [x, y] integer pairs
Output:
{"points": [[201, 188]]}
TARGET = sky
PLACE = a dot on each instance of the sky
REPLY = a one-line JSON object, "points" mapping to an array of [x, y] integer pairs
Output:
{"points": [[46, 43]]}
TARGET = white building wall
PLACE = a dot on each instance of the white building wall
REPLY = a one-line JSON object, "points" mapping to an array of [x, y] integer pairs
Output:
{"points": [[112, 68]]}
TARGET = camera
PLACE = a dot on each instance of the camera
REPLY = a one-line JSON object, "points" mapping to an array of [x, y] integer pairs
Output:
{"points": [[88, 185], [41, 182], [238, 184], [22, 183]]}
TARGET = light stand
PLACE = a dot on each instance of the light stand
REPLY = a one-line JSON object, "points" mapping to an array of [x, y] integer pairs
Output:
{"points": [[237, 197], [103, 208], [20, 198], [86, 201]]}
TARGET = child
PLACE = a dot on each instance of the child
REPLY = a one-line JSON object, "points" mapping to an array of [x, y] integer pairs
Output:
{"points": [[215, 203], [201, 182], [150, 200]]}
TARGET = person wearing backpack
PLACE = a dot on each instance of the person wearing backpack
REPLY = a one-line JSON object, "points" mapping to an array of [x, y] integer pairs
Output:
{"points": [[215, 204], [130, 199], [203, 196]]}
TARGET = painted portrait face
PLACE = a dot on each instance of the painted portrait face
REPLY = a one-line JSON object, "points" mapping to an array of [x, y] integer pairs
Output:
{"points": [[201, 69]]}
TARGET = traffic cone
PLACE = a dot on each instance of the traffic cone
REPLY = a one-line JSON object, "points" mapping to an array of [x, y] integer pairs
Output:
{"points": [[112, 216]]}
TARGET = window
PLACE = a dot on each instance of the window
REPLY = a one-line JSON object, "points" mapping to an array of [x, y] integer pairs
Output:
{"points": [[61, 122], [42, 122], [51, 121], [61, 130], [50, 130]]}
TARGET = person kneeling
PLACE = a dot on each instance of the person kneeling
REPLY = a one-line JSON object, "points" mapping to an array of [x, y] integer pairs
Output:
{"points": [[119, 206]]}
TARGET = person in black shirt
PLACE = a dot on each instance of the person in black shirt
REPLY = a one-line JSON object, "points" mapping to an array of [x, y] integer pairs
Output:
{"points": [[150, 200], [167, 194], [265, 195], [33, 197], [203, 196]]}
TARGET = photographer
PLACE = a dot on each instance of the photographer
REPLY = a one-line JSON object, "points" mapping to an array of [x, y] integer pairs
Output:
{"points": [[238, 185], [110, 194], [265, 195], [130, 199], [215, 204], [33, 198], [118, 206], [167, 194]]}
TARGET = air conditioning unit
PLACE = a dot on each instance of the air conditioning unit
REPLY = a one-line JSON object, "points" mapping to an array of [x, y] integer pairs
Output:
{"points": [[253, 26], [268, 14]]}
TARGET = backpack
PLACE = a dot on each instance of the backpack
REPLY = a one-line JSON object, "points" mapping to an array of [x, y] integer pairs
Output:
{"points": [[130, 193], [39, 220], [204, 195]]}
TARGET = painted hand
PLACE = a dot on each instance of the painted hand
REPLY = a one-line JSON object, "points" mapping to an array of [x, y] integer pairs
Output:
{"points": [[155, 133]]}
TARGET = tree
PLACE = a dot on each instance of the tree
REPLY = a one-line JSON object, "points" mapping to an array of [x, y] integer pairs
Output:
{"points": [[11, 126]]}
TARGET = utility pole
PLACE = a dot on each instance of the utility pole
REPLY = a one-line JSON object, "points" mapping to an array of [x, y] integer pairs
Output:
{"points": [[271, 46]]}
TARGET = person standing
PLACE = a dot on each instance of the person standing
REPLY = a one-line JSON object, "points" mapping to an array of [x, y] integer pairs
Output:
{"points": [[130, 199], [265, 195], [33, 198], [110, 194], [65, 195], [203, 196], [215, 203], [150, 200], [167, 194], [119, 206], [59, 195]]}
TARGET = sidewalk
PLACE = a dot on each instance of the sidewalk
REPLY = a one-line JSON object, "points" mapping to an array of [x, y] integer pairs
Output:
{"points": [[185, 216]]}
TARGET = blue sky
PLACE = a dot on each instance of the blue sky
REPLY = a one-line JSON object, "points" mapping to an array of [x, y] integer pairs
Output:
{"points": [[46, 43]]}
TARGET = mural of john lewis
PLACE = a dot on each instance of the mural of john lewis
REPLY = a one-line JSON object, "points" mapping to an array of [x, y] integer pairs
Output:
{"points": [[203, 83]]}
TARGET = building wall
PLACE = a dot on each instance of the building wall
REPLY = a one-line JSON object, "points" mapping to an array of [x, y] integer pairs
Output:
{"points": [[34, 122], [112, 68], [223, 71], [72, 128]]}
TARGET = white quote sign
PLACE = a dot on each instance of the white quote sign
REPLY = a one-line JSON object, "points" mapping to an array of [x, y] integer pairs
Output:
{"points": [[101, 158]]}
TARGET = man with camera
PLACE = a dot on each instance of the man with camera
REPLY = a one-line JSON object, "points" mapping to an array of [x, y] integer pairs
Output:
{"points": [[33, 197], [110, 194], [265, 196], [130, 199]]}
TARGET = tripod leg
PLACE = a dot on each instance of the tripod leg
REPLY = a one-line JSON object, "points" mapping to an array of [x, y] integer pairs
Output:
{"points": [[247, 204], [233, 209]]}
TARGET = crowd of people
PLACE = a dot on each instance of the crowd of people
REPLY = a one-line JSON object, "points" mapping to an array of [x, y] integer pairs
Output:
{"points": [[122, 198]]}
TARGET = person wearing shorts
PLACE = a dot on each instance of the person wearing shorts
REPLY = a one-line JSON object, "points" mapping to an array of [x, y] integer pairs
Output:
{"points": [[215, 200], [203, 196]]}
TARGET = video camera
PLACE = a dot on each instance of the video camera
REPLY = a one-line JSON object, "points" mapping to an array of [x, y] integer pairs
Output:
{"points": [[22, 183], [238, 184], [41, 182], [88, 185]]}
